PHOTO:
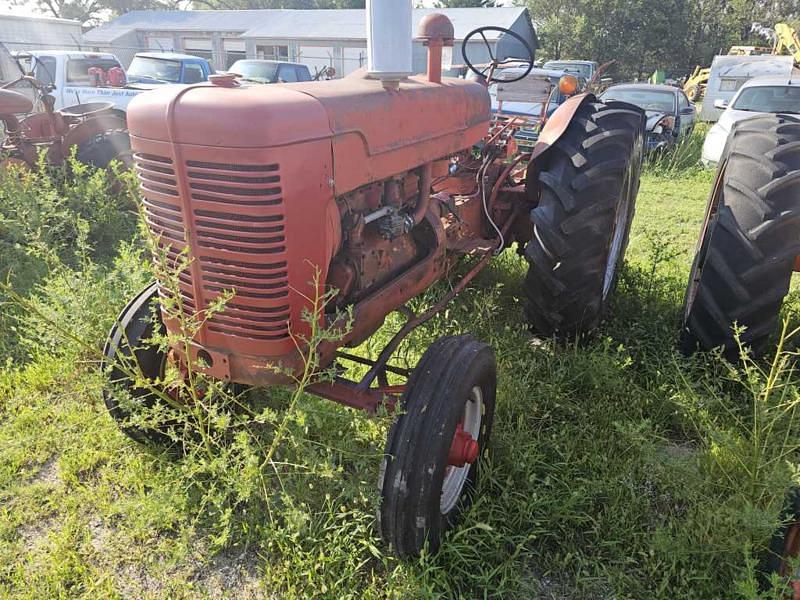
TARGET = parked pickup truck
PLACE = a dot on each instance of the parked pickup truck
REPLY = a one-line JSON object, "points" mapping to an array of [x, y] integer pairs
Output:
{"points": [[71, 74]]}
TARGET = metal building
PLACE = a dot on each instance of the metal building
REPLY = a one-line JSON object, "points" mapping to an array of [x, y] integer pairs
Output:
{"points": [[318, 38], [18, 33]]}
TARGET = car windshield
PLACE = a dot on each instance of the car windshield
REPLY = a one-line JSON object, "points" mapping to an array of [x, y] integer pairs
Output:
{"points": [[146, 69], [644, 99], [769, 99], [256, 70], [584, 71]]}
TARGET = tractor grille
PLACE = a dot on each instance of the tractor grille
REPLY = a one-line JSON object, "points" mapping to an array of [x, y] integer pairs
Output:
{"points": [[237, 235]]}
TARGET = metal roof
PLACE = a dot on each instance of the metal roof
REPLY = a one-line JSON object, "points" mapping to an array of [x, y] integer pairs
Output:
{"points": [[168, 55], [653, 87], [38, 18], [782, 80], [292, 24]]}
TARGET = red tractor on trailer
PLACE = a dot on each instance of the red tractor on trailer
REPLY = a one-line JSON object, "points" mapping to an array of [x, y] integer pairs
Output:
{"points": [[382, 188]]}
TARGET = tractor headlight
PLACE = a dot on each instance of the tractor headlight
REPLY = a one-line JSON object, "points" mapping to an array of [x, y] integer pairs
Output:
{"points": [[568, 85]]}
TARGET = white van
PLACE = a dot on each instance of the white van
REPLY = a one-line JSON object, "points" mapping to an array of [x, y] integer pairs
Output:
{"points": [[728, 74]]}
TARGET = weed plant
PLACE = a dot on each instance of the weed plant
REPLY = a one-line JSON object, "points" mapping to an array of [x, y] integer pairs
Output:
{"points": [[617, 468]]}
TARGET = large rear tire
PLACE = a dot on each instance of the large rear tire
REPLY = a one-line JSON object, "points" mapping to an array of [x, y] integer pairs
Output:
{"points": [[431, 461], [750, 239], [589, 182], [104, 148]]}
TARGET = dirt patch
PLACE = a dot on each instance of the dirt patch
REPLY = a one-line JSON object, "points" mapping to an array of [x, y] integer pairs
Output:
{"points": [[33, 534], [232, 574], [48, 472]]}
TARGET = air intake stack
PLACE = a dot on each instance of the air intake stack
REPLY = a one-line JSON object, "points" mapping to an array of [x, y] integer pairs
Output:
{"points": [[389, 40]]}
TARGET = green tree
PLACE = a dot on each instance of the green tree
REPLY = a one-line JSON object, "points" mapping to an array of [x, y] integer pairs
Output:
{"points": [[642, 35], [558, 25]]}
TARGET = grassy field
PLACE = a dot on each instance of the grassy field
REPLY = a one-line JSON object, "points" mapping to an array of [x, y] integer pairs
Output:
{"points": [[619, 469]]}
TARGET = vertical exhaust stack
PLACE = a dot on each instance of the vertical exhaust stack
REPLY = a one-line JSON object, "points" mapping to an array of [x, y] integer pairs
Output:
{"points": [[389, 41], [437, 32]]}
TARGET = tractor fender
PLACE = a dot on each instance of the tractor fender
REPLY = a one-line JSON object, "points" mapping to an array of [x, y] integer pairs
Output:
{"points": [[89, 128], [557, 124]]}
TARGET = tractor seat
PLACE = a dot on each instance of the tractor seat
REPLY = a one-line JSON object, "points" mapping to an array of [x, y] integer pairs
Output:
{"points": [[12, 103]]}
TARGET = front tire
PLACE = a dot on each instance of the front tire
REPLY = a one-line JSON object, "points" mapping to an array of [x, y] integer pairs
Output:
{"points": [[589, 182], [430, 467], [129, 351], [785, 547], [750, 239]]}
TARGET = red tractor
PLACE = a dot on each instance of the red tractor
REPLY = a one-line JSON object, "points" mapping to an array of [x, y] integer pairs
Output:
{"points": [[99, 135], [383, 185]]}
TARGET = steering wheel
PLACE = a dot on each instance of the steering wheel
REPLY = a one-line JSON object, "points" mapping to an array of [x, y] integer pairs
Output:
{"points": [[490, 68]]}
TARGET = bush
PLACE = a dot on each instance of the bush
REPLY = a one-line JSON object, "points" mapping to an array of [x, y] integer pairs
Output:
{"points": [[59, 223]]}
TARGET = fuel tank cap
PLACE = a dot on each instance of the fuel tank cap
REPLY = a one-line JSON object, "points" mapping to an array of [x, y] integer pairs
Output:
{"points": [[224, 79]]}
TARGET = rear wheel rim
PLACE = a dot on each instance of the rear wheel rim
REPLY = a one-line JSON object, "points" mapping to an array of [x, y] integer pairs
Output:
{"points": [[620, 227], [456, 477]]}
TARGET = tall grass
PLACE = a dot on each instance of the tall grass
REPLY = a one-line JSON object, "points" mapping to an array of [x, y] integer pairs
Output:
{"points": [[681, 158], [618, 468]]}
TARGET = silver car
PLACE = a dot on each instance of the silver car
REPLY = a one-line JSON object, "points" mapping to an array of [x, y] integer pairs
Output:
{"points": [[670, 115], [757, 96]]}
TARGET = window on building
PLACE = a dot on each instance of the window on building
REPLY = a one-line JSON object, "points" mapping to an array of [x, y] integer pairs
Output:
{"points": [[234, 50], [273, 52], [161, 43], [200, 47]]}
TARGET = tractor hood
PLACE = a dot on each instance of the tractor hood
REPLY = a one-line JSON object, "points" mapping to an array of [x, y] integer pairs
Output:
{"points": [[374, 133]]}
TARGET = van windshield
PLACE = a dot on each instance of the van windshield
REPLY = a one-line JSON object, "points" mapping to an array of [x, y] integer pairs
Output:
{"points": [[583, 70], [769, 99]]}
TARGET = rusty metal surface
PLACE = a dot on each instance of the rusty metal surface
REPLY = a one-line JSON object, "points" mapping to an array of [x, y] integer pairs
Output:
{"points": [[557, 124], [289, 178], [418, 320], [90, 127], [347, 393], [12, 103], [243, 234], [374, 133], [436, 26]]}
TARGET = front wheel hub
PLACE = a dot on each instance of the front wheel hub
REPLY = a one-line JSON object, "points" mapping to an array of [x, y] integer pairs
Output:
{"points": [[464, 450]]}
